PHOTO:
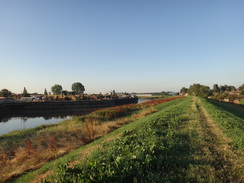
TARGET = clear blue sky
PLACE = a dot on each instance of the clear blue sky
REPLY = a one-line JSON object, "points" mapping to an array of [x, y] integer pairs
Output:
{"points": [[129, 45]]}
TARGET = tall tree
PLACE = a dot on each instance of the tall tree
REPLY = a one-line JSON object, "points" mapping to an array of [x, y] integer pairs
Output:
{"points": [[45, 92], [78, 88], [25, 93], [183, 90], [57, 89], [216, 88], [5, 93]]}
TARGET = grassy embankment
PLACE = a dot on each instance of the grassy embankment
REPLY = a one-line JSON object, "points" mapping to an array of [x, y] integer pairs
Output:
{"points": [[30, 149], [185, 141]]}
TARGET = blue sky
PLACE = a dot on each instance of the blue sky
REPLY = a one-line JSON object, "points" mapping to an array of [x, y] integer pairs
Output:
{"points": [[132, 46]]}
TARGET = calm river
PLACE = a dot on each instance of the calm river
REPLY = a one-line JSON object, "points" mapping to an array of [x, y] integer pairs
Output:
{"points": [[21, 123]]}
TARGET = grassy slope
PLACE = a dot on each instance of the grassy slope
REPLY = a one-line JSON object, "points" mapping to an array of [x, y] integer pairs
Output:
{"points": [[230, 118], [76, 154], [28, 150], [180, 143]]}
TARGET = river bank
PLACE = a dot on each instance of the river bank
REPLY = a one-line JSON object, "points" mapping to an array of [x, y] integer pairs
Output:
{"points": [[25, 115], [29, 149]]}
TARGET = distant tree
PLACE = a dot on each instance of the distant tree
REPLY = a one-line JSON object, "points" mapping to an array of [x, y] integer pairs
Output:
{"points": [[25, 93], [232, 88], [242, 92], [164, 93], [113, 94], [78, 88], [183, 90], [199, 90], [223, 88], [5, 93], [216, 88], [241, 87], [45, 92], [56, 89]]}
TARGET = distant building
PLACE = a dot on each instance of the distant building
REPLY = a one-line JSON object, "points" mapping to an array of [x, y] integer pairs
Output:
{"points": [[183, 94], [234, 92]]}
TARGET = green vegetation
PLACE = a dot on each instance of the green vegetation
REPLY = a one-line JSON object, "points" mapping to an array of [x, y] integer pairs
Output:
{"points": [[5, 93], [199, 90], [231, 119], [45, 92], [187, 140], [30, 149], [25, 93], [78, 88], [144, 154], [183, 90], [57, 89], [227, 93]]}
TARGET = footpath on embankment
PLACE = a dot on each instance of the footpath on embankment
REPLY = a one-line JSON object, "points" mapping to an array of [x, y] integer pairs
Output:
{"points": [[184, 140]]}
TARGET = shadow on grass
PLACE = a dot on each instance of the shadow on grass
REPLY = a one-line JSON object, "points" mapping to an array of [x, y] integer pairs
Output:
{"points": [[181, 159], [236, 109]]}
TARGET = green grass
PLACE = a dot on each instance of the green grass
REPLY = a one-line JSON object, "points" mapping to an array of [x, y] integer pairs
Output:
{"points": [[235, 109], [76, 154], [167, 146], [230, 117], [162, 148], [242, 102]]}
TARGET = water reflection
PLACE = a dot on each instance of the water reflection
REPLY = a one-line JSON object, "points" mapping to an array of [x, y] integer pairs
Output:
{"points": [[141, 100], [21, 123]]}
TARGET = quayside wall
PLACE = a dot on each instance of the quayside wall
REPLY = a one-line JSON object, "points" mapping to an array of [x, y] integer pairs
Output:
{"points": [[38, 108]]}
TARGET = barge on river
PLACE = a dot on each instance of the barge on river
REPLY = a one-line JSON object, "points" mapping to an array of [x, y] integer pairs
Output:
{"points": [[39, 108]]}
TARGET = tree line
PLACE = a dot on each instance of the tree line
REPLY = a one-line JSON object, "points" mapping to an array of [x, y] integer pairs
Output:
{"points": [[205, 91], [57, 89]]}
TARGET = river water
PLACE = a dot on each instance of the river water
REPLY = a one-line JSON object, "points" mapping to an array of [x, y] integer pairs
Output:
{"points": [[21, 123]]}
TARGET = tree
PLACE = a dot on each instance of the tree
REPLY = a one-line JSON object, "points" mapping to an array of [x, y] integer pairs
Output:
{"points": [[223, 88], [25, 93], [232, 88], [216, 88], [5, 93], [183, 90], [56, 89], [45, 92], [78, 88], [241, 87], [199, 90]]}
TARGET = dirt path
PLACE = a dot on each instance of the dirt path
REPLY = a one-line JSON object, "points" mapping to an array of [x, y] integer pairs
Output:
{"points": [[225, 163]]}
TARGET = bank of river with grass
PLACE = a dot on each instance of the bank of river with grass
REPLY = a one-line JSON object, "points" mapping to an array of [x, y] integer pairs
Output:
{"points": [[24, 115], [30, 149], [184, 140]]}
